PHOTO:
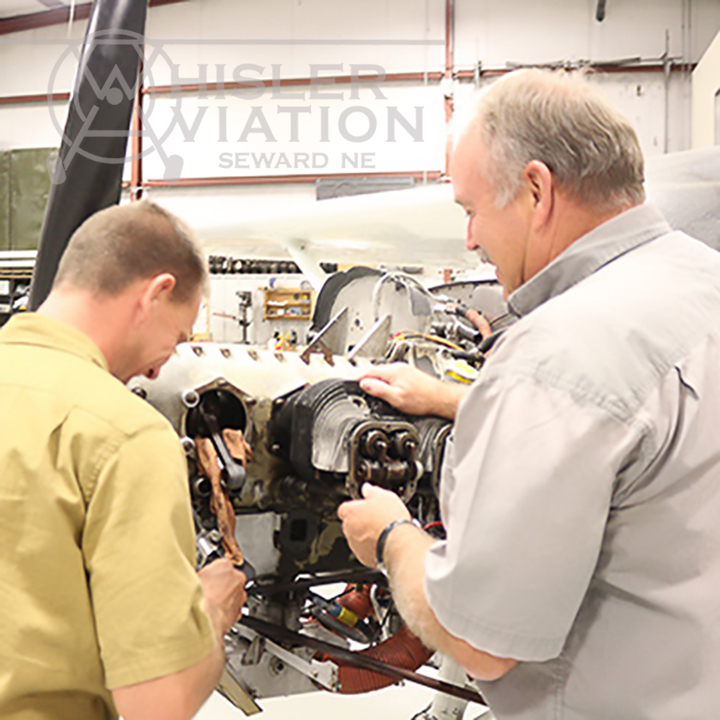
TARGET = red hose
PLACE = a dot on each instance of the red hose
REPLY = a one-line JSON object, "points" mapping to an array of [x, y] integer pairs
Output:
{"points": [[357, 600], [403, 650]]}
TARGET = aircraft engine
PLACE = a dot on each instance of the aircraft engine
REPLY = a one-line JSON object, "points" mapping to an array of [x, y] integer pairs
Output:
{"points": [[274, 444]]}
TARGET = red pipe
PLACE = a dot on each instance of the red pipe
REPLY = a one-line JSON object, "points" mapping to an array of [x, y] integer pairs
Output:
{"points": [[449, 36], [136, 183], [449, 76], [299, 82], [269, 179], [593, 67], [295, 82], [28, 99], [402, 650], [448, 99]]}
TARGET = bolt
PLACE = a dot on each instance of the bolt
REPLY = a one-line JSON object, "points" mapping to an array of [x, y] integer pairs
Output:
{"points": [[215, 536], [276, 665], [190, 398], [364, 471]]}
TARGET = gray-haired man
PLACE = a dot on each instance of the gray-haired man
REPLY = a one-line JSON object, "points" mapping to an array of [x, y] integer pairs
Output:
{"points": [[581, 490]]}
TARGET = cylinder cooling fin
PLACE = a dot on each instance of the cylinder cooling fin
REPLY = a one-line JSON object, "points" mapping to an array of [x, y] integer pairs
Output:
{"points": [[332, 428]]}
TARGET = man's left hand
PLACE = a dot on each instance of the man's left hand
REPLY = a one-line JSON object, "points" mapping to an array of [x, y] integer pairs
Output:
{"points": [[363, 520]]}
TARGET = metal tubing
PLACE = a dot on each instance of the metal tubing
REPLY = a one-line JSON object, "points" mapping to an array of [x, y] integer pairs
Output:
{"points": [[136, 165], [449, 76], [471, 75], [600, 12], [223, 87], [281, 179]]}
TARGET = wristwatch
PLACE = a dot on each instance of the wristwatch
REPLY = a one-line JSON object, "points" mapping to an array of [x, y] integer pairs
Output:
{"points": [[382, 540]]}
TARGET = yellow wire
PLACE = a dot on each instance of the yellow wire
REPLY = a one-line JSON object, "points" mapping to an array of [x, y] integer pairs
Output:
{"points": [[433, 338]]}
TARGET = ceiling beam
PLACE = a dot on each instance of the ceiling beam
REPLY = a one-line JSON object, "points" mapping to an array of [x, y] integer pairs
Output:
{"points": [[56, 16]]}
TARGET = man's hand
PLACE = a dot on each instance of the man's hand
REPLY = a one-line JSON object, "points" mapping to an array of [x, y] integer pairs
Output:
{"points": [[179, 695], [364, 520], [412, 391], [224, 591]]}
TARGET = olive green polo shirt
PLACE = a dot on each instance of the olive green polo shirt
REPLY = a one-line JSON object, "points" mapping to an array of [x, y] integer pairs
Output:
{"points": [[98, 587]]}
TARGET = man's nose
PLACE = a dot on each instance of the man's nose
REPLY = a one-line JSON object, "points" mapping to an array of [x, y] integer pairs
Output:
{"points": [[470, 244]]}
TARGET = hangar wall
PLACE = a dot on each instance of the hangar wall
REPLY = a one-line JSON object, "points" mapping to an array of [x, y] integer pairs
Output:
{"points": [[247, 139], [297, 36]]}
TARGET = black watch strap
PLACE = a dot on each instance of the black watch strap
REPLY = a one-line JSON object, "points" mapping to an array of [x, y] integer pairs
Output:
{"points": [[382, 539]]}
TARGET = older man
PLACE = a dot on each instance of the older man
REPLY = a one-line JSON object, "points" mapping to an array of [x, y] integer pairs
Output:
{"points": [[100, 605], [580, 578]]}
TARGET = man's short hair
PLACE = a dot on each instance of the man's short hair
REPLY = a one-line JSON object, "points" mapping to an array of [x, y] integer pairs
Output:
{"points": [[125, 243], [561, 120]]}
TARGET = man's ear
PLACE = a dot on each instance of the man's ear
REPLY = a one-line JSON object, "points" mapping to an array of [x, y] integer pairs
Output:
{"points": [[154, 289], [541, 185]]}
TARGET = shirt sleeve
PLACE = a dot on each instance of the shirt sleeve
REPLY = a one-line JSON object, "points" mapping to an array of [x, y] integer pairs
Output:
{"points": [[525, 495], [139, 550]]}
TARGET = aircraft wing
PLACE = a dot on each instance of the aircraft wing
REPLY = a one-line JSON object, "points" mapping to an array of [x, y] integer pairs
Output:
{"points": [[422, 225], [419, 226], [686, 188]]}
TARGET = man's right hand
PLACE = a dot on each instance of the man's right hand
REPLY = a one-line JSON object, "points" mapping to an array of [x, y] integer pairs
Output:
{"points": [[412, 391], [224, 590], [179, 695]]}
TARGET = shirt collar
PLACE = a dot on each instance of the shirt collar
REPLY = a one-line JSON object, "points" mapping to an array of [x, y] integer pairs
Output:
{"points": [[588, 254], [40, 330]]}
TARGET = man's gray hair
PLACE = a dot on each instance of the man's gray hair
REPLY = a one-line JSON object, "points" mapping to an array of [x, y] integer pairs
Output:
{"points": [[561, 120]]}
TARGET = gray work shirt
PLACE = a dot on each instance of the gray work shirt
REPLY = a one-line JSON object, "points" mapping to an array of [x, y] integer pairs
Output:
{"points": [[581, 492]]}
